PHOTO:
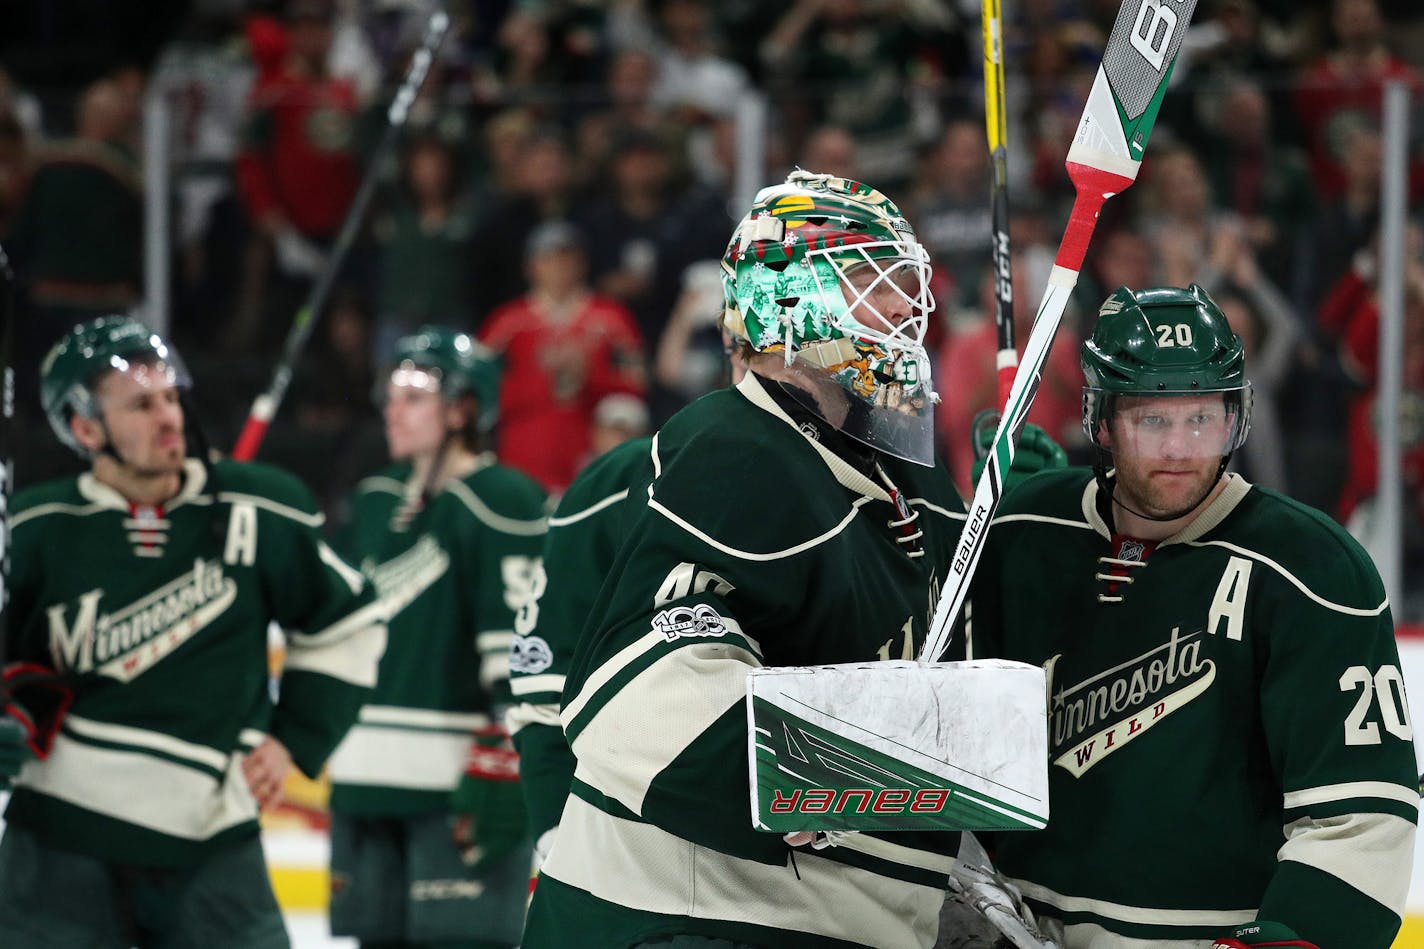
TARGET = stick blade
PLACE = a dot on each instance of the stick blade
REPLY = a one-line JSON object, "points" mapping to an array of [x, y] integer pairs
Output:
{"points": [[1131, 81]]}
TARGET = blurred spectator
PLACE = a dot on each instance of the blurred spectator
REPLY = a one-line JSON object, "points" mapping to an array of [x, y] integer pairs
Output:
{"points": [[541, 190], [1345, 87], [296, 172], [691, 357], [855, 64], [565, 350], [645, 229], [1350, 314], [79, 233], [967, 380], [331, 391], [1348, 221], [950, 203], [694, 84], [616, 419], [1269, 331], [832, 149], [497, 172], [1118, 257], [1260, 176], [14, 170], [1060, 61], [425, 244], [22, 105], [627, 103]]}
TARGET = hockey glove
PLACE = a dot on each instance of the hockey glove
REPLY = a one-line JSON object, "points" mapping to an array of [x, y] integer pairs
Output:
{"points": [[1260, 935], [490, 819], [1036, 450], [38, 699]]}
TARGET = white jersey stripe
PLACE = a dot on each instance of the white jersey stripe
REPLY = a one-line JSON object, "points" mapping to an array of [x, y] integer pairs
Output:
{"points": [[589, 511], [761, 557], [1294, 581], [144, 738], [1371, 852], [138, 788], [1142, 915], [1351, 790], [674, 701], [544, 682], [423, 718], [400, 758], [646, 868], [486, 516]]}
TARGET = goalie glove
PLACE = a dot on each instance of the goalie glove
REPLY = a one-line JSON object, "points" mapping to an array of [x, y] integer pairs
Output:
{"points": [[37, 699], [490, 818], [974, 882], [1261, 935]]}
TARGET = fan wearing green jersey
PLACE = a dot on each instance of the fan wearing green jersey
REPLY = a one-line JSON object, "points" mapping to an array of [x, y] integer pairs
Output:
{"points": [[1231, 757], [137, 643], [796, 517], [429, 843]]}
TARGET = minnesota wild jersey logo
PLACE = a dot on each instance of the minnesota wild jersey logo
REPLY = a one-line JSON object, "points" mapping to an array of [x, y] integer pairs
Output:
{"points": [[1093, 718], [124, 643]]}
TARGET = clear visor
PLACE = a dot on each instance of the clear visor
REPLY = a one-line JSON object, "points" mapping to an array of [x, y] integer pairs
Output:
{"points": [[1168, 425], [896, 419], [886, 288]]}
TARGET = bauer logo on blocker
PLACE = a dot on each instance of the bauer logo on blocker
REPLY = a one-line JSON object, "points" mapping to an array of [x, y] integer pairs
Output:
{"points": [[699, 620]]}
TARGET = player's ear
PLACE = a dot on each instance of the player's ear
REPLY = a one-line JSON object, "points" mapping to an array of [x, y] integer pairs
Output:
{"points": [[88, 432]]}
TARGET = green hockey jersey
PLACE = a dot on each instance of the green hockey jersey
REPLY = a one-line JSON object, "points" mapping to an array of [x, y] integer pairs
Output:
{"points": [[157, 617], [1228, 728], [585, 534], [452, 574], [756, 545]]}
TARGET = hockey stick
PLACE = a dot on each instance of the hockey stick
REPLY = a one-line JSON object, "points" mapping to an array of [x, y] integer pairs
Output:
{"points": [[7, 454], [1103, 161], [996, 127], [264, 407]]}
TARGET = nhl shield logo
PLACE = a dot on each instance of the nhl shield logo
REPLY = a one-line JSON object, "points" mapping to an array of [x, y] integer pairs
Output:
{"points": [[1131, 550]]}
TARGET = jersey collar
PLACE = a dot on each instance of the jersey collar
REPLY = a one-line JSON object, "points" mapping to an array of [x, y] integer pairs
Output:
{"points": [[755, 393], [1216, 512], [97, 492]]}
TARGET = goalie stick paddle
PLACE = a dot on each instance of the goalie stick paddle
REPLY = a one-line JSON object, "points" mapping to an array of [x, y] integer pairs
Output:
{"points": [[1102, 161], [264, 407], [996, 128]]}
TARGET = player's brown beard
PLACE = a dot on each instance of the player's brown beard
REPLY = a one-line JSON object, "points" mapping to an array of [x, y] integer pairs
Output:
{"points": [[1135, 489]]}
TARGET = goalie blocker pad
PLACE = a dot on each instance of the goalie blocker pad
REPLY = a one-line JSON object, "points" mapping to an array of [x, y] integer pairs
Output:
{"points": [[898, 745]]}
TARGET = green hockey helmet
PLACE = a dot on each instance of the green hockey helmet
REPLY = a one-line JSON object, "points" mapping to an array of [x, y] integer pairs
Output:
{"points": [[1166, 342], [828, 272], [74, 364], [451, 362]]}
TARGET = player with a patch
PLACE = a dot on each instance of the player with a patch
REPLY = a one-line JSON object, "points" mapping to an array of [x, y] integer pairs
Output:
{"points": [[1231, 753], [585, 533], [143, 591], [795, 518], [429, 843]]}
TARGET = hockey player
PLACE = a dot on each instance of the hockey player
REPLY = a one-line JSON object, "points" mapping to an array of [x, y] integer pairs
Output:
{"points": [[585, 533], [795, 518], [451, 541], [143, 590], [1230, 745]]}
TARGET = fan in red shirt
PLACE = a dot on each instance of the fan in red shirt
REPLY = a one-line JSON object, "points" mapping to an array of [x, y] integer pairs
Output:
{"points": [[565, 350], [296, 170]]}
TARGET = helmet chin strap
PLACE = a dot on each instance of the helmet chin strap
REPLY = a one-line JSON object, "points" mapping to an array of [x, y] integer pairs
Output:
{"points": [[1107, 495]]}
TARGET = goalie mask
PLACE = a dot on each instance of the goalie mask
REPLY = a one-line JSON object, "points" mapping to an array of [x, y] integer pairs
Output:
{"points": [[450, 362], [88, 351], [1165, 379], [828, 273]]}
